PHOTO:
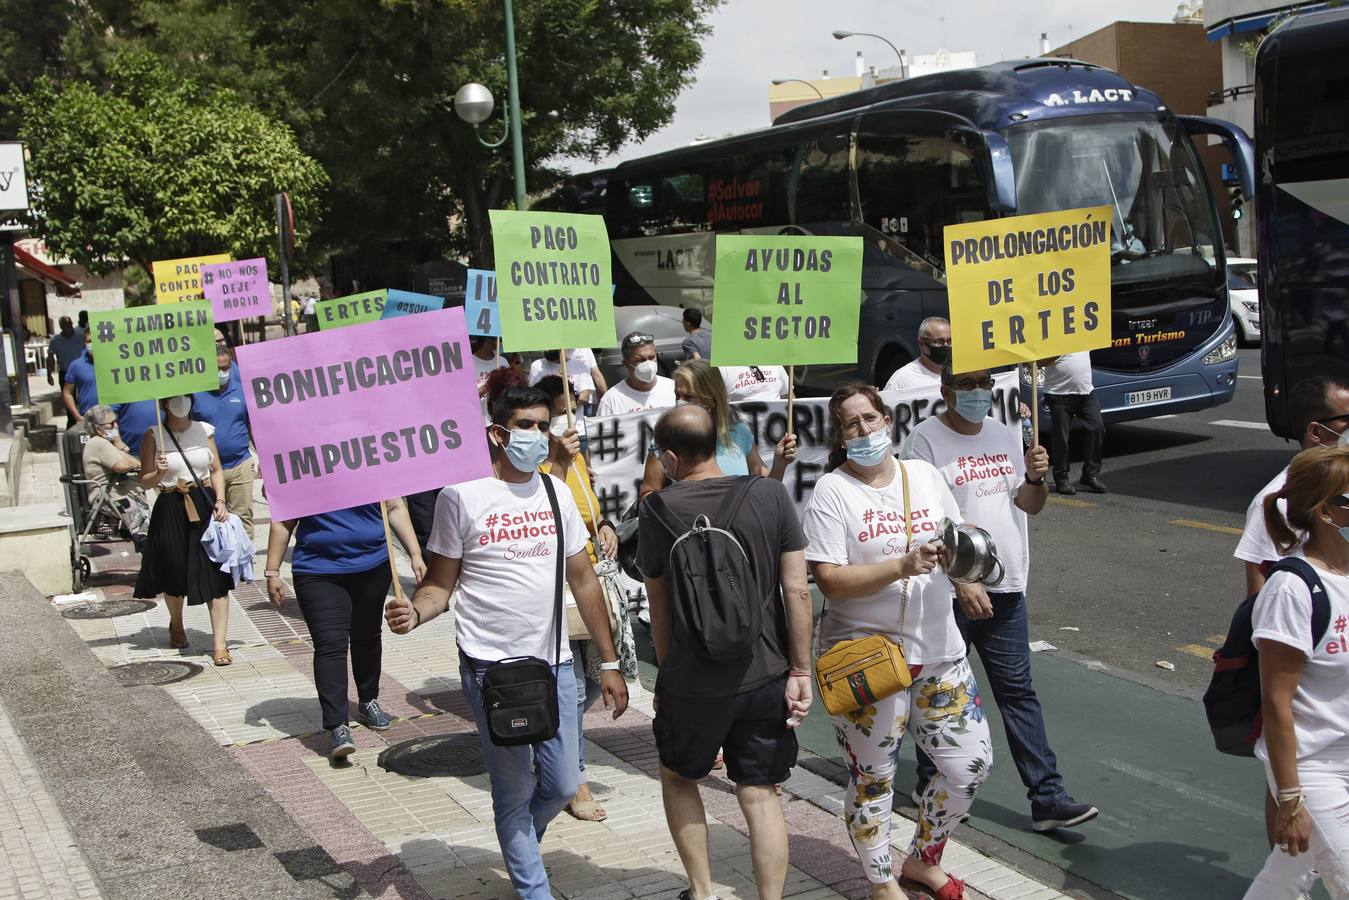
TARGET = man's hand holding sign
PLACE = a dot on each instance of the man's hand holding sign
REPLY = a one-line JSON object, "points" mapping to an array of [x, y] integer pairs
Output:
{"points": [[1026, 288]]}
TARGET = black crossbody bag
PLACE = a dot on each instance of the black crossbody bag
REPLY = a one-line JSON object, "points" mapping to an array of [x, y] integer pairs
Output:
{"points": [[519, 695]]}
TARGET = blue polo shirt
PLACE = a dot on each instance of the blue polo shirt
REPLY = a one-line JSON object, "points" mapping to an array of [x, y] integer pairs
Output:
{"points": [[225, 410], [340, 542], [133, 420], [66, 349], [81, 374]]}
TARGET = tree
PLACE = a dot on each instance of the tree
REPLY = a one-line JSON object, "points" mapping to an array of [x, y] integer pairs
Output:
{"points": [[366, 86], [154, 167]]}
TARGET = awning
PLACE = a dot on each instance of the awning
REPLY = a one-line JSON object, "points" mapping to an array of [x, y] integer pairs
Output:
{"points": [[1256, 21], [40, 270]]}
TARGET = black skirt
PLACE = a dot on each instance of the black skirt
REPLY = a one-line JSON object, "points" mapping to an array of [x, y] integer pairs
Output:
{"points": [[173, 560]]}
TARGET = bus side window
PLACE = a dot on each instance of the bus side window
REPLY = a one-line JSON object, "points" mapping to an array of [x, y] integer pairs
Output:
{"points": [[913, 186], [822, 195]]}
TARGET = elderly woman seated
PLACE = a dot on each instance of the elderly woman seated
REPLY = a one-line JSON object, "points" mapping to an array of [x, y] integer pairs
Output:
{"points": [[109, 464]]}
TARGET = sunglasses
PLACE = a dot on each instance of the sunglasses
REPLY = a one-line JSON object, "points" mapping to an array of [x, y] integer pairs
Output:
{"points": [[1340, 501], [638, 340], [652, 449], [1329, 420], [969, 384]]}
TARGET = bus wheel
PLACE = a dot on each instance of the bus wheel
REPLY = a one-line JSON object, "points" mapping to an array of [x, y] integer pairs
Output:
{"points": [[891, 359]]}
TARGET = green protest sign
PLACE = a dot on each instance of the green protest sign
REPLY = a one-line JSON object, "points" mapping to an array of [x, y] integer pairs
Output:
{"points": [[153, 351], [553, 280], [353, 309], [793, 300]]}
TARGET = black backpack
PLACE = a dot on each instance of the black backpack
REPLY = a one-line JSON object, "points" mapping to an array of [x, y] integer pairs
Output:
{"points": [[1232, 701], [714, 597]]}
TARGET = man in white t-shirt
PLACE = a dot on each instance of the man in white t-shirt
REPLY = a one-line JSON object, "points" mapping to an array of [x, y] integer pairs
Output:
{"points": [[754, 382], [934, 351], [495, 540], [1319, 409], [1070, 395], [578, 373], [644, 388], [486, 360], [996, 488]]}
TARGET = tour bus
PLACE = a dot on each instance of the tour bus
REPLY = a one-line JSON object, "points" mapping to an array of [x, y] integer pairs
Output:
{"points": [[1302, 208], [896, 163]]}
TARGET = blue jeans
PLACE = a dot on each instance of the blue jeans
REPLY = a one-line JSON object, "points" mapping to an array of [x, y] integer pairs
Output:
{"points": [[1003, 643], [587, 692], [530, 785]]}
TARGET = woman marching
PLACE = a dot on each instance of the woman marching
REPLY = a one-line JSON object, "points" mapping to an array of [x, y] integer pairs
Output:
{"points": [[1304, 678], [191, 490], [340, 568], [877, 576]]}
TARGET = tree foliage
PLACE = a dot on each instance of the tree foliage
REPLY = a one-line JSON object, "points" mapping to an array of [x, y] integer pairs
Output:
{"points": [[154, 167]]}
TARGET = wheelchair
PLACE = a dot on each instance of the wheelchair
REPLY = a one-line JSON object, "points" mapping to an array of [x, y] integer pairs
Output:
{"points": [[98, 514]]}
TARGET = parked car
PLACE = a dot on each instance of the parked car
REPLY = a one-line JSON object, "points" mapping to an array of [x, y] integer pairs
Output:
{"points": [[664, 323], [1243, 289]]}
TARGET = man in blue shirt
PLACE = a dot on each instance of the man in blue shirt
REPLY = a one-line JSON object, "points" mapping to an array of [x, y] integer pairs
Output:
{"points": [[79, 389], [133, 420], [65, 347], [224, 408]]}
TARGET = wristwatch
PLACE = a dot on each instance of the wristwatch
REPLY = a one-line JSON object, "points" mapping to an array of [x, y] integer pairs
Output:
{"points": [[1036, 483], [272, 573]]}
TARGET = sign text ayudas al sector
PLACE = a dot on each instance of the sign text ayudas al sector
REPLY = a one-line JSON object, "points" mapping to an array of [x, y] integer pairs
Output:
{"points": [[1028, 287]]}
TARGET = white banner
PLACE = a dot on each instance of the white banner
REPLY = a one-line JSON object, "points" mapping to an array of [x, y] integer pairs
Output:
{"points": [[617, 445]]}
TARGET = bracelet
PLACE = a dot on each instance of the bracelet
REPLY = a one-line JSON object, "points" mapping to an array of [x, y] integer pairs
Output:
{"points": [[418, 613], [603, 523], [1286, 796], [609, 666], [272, 573], [1036, 483]]}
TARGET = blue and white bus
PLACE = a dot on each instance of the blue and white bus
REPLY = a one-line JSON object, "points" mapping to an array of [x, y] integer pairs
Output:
{"points": [[898, 162]]}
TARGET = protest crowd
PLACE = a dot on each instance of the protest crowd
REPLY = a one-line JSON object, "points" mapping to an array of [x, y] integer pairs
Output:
{"points": [[703, 561]]}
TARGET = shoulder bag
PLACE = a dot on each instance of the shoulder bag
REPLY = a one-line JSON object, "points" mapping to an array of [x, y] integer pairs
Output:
{"points": [[519, 695], [859, 672]]}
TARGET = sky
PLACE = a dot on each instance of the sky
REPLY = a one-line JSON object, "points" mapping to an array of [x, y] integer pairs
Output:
{"points": [[755, 41]]}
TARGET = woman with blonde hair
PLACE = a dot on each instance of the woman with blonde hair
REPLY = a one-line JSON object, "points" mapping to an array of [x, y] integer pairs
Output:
{"points": [[698, 381], [1304, 679]]}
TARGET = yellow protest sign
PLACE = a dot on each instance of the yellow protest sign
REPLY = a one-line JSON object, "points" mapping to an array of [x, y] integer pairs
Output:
{"points": [[177, 280], [1028, 287]]}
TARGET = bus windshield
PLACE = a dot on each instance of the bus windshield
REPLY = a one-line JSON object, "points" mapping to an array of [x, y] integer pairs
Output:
{"points": [[1162, 224]]}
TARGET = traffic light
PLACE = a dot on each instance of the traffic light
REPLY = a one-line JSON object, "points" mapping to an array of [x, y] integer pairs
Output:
{"points": [[1237, 201]]}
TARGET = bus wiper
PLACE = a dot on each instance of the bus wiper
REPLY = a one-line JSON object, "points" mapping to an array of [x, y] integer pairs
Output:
{"points": [[1126, 246]]}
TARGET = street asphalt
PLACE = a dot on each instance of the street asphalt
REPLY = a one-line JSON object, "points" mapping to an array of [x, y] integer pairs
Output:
{"points": [[1121, 582]]}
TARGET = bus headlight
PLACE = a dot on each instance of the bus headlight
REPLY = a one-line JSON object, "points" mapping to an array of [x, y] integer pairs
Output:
{"points": [[1252, 307], [1227, 350]]}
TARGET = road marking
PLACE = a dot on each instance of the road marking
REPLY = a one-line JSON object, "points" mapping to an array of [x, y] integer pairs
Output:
{"points": [[1237, 423], [1244, 810], [1217, 638], [1206, 526], [1076, 504], [1198, 650]]}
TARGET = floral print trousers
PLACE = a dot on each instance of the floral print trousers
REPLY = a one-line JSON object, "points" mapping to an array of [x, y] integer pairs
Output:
{"points": [[943, 711]]}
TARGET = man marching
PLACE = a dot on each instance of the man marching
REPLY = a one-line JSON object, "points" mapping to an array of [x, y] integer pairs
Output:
{"points": [[505, 573], [996, 488]]}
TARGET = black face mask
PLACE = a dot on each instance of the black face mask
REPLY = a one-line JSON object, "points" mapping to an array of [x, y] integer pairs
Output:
{"points": [[939, 355]]}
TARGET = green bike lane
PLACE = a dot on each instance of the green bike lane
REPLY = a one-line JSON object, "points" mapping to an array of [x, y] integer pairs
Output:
{"points": [[1178, 820]]}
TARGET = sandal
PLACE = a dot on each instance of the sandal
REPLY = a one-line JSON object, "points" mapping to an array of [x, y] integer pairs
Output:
{"points": [[178, 639], [221, 658], [954, 889], [587, 811]]}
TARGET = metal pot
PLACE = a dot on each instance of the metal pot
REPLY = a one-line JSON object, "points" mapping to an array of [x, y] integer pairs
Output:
{"points": [[969, 554]]}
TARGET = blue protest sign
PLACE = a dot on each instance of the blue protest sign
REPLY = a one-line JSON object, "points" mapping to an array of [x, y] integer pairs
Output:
{"points": [[406, 303], [480, 303]]}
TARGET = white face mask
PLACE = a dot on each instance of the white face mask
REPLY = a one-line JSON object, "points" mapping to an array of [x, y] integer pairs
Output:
{"points": [[110, 432], [179, 406], [645, 371], [223, 376], [558, 425]]}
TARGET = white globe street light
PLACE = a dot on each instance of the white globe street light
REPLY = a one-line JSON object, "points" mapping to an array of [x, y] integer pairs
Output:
{"points": [[474, 103]]}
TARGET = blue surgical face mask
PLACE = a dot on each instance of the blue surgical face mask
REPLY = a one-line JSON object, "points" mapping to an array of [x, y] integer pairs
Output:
{"points": [[527, 449], [1344, 533], [974, 406], [869, 449]]}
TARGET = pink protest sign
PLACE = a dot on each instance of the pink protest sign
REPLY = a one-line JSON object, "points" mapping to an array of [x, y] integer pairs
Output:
{"points": [[237, 289], [364, 413]]}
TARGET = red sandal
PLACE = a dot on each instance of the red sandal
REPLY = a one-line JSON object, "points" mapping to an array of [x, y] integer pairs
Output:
{"points": [[954, 889]]}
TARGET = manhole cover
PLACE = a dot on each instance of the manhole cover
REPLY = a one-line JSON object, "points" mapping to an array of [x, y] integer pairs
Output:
{"points": [[162, 671], [427, 757], [108, 609]]}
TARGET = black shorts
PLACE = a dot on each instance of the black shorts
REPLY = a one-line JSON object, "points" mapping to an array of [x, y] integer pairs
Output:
{"points": [[750, 729]]}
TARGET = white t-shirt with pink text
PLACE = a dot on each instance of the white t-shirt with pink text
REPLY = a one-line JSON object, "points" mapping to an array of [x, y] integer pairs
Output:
{"points": [[851, 523], [745, 383], [504, 535], [984, 472]]}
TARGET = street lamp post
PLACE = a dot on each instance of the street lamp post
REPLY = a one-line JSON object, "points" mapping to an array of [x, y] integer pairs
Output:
{"points": [[473, 103], [799, 81], [840, 35]]}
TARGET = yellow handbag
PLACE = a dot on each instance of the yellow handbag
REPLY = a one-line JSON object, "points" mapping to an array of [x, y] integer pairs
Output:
{"points": [[856, 673]]}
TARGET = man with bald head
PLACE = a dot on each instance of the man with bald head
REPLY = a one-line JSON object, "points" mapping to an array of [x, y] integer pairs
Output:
{"points": [[746, 707]]}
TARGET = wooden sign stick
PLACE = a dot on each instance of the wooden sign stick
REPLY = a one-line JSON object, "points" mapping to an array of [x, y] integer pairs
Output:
{"points": [[566, 387], [1035, 402], [388, 542], [159, 430], [791, 399]]}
